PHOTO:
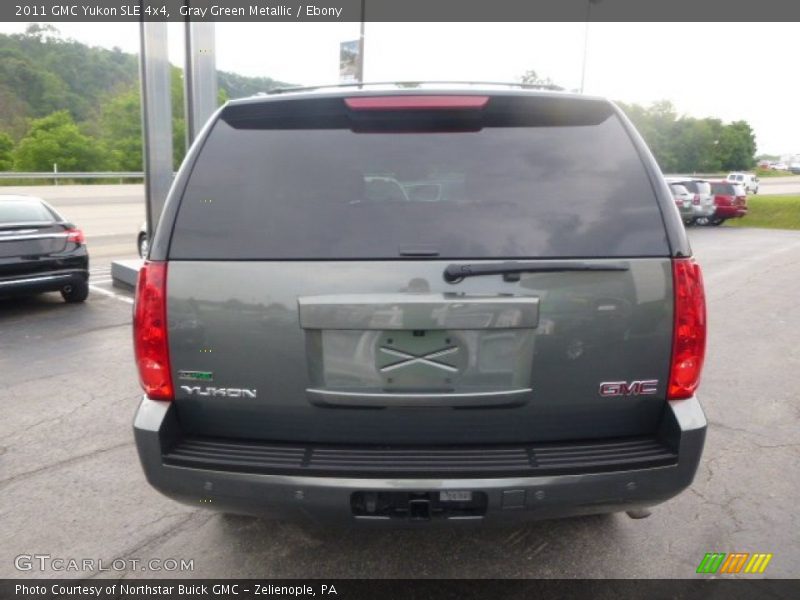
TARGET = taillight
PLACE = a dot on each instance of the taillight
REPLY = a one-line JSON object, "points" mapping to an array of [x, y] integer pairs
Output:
{"points": [[416, 102], [689, 335], [75, 236], [696, 200], [150, 331]]}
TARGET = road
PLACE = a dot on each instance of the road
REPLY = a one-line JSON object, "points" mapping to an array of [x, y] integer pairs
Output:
{"points": [[71, 485], [780, 185]]}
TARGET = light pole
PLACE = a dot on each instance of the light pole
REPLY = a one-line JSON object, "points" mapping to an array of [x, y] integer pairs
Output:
{"points": [[361, 43], [586, 39]]}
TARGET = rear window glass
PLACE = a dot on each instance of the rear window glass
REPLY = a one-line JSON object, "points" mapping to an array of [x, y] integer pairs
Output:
{"points": [[24, 211], [726, 189], [678, 189], [698, 187], [322, 191]]}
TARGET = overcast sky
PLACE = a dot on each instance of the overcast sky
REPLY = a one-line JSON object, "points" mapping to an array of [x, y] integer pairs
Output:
{"points": [[727, 70]]}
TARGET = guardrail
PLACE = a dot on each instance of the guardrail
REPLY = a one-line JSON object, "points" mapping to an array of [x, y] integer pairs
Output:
{"points": [[68, 175]]}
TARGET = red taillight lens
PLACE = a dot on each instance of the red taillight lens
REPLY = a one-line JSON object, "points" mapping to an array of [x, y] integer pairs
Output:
{"points": [[696, 200], [689, 336], [416, 102], [150, 331], [75, 236]]}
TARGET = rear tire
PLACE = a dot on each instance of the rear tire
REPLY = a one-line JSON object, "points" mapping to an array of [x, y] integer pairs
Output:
{"points": [[716, 221], [688, 222], [142, 245], [77, 293]]}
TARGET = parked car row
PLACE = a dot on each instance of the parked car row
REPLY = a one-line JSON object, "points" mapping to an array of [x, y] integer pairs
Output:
{"points": [[703, 202], [772, 165]]}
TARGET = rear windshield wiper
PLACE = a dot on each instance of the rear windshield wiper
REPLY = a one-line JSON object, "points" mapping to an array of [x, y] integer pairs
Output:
{"points": [[511, 270]]}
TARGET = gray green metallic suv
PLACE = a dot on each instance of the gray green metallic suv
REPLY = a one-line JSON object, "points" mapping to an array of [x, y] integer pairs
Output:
{"points": [[426, 304]]}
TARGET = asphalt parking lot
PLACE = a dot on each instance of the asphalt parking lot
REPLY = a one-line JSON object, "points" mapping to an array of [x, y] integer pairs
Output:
{"points": [[71, 486]]}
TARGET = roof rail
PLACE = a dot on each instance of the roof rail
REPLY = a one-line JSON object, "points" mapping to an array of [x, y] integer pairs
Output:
{"points": [[415, 84]]}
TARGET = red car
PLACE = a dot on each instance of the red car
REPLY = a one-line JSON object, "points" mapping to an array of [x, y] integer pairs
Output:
{"points": [[730, 200]]}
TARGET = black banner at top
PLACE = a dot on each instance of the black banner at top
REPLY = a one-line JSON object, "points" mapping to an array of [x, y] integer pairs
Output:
{"points": [[399, 10]]}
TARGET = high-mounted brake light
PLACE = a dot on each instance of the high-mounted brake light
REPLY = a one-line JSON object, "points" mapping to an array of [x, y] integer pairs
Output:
{"points": [[150, 342], [75, 236], [416, 102], [689, 335]]}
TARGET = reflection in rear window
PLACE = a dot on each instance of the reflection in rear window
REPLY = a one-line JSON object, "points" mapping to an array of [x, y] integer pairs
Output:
{"points": [[23, 211], [330, 193]]}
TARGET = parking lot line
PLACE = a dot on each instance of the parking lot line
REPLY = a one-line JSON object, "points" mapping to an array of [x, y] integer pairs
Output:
{"points": [[111, 294]]}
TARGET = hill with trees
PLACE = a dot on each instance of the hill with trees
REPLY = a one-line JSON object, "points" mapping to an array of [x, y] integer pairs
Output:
{"points": [[64, 102]]}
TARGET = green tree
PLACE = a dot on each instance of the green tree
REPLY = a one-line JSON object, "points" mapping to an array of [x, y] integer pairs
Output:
{"points": [[694, 142], [57, 139], [736, 146], [656, 124], [121, 130], [683, 144], [6, 152]]}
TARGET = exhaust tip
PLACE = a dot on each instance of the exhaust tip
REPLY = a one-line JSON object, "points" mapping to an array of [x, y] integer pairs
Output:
{"points": [[638, 513], [67, 289]]}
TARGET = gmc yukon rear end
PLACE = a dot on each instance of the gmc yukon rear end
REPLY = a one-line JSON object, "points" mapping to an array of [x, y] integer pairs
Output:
{"points": [[420, 304]]}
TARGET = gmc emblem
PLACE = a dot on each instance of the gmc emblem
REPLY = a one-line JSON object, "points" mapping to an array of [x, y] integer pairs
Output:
{"points": [[645, 387]]}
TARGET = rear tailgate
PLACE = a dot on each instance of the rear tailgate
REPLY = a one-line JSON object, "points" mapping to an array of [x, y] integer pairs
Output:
{"points": [[307, 298], [29, 235]]}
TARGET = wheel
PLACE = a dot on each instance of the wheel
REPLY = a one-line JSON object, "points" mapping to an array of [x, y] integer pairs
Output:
{"points": [[701, 221], [142, 245], [688, 222], [76, 293]]}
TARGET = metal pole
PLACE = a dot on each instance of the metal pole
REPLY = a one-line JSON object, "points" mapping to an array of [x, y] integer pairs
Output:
{"points": [[154, 70], [586, 42], [361, 43], [586, 39], [199, 76]]}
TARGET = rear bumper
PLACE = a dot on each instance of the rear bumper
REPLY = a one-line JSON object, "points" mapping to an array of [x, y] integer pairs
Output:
{"points": [[703, 210], [731, 212], [509, 499], [35, 283]]}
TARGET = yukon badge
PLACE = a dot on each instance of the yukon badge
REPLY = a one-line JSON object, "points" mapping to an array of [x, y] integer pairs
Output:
{"points": [[196, 390], [645, 387]]}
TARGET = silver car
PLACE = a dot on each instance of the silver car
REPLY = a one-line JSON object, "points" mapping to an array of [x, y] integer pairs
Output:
{"points": [[142, 241], [703, 206], [683, 200]]}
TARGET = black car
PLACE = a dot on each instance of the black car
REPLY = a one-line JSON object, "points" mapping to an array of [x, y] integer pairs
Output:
{"points": [[40, 251]]}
